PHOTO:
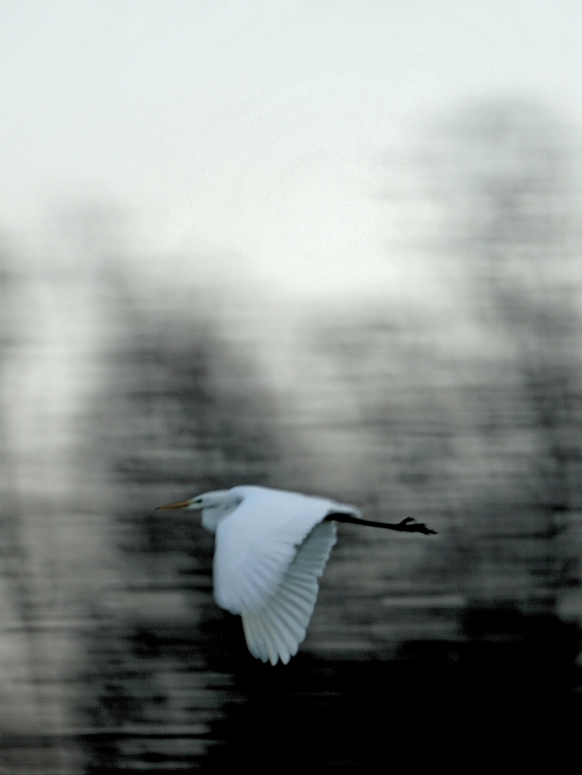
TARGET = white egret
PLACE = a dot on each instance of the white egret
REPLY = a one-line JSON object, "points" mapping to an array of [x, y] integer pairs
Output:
{"points": [[271, 548]]}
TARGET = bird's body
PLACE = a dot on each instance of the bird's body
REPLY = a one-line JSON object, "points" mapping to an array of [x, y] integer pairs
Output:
{"points": [[271, 548]]}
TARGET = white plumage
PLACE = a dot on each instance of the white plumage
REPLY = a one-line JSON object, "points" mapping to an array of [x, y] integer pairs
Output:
{"points": [[271, 548], [277, 628]]}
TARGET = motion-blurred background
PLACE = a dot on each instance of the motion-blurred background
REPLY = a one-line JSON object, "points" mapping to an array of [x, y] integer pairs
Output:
{"points": [[328, 247]]}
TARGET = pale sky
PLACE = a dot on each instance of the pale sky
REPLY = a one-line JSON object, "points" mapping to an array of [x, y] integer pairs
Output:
{"points": [[256, 128]]}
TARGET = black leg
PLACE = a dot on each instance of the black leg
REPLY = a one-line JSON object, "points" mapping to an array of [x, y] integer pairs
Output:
{"points": [[407, 525]]}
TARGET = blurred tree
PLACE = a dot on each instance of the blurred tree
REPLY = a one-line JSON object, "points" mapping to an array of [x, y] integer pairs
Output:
{"points": [[479, 430], [507, 173]]}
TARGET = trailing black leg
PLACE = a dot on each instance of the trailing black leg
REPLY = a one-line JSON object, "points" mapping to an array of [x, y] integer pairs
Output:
{"points": [[407, 525]]}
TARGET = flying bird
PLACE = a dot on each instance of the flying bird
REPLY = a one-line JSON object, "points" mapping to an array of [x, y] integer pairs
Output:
{"points": [[271, 547]]}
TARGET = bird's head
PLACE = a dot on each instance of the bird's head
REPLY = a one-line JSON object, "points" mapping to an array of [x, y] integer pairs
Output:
{"points": [[214, 506]]}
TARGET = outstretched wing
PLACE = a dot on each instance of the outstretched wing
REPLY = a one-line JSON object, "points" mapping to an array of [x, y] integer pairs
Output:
{"points": [[275, 630], [256, 544]]}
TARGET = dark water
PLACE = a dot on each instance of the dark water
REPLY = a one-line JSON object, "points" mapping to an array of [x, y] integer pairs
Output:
{"points": [[508, 685]]}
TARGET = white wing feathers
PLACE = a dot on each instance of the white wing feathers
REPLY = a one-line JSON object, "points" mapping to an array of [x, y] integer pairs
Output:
{"points": [[270, 552], [275, 631], [257, 542]]}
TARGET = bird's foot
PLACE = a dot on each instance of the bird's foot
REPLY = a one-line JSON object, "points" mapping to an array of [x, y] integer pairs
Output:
{"points": [[410, 525]]}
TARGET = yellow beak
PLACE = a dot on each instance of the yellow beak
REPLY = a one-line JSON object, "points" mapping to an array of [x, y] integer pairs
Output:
{"points": [[179, 505]]}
